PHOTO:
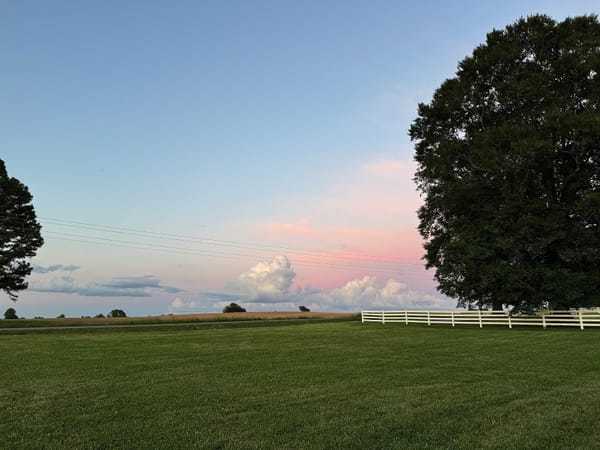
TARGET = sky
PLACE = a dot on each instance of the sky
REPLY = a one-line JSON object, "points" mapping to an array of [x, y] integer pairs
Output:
{"points": [[186, 154]]}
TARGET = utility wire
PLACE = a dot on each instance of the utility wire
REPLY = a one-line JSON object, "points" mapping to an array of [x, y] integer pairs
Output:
{"points": [[343, 264], [301, 257], [210, 241], [235, 256]]}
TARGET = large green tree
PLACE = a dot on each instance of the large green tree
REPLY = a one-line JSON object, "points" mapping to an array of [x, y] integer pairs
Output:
{"points": [[20, 234], [508, 155]]}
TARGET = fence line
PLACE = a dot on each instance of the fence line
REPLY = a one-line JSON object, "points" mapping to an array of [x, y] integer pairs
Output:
{"points": [[573, 318]]}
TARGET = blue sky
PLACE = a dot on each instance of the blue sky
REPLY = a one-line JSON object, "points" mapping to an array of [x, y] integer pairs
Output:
{"points": [[276, 129]]}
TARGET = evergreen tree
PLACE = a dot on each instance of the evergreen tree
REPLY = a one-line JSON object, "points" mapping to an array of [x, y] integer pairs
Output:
{"points": [[20, 234]]}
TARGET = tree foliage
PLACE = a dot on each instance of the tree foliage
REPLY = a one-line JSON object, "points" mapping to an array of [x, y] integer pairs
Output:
{"points": [[508, 155], [233, 308], [304, 309], [10, 313], [117, 313], [20, 234]]}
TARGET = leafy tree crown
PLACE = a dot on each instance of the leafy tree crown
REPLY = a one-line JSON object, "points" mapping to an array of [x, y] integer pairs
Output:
{"points": [[508, 155], [10, 313], [233, 308], [117, 313]]}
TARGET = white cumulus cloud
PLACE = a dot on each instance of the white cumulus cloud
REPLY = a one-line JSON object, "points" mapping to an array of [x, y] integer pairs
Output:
{"points": [[266, 286], [266, 282], [363, 294], [179, 305]]}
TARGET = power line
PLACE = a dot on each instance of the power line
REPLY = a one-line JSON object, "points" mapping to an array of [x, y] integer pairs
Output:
{"points": [[212, 241], [191, 251], [343, 260], [177, 250]]}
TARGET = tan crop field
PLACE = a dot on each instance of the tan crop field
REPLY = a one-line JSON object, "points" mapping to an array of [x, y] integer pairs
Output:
{"points": [[173, 318]]}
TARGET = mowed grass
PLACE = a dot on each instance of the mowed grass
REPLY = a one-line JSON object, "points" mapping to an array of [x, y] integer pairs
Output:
{"points": [[315, 385]]}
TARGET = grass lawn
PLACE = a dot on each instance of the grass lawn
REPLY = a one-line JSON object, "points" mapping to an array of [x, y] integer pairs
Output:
{"points": [[314, 385]]}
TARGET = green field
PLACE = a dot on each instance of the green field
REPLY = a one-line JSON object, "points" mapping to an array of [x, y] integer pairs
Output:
{"points": [[314, 385]]}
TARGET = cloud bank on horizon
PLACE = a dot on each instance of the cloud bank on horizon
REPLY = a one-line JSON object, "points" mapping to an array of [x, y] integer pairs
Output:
{"points": [[135, 286], [268, 286], [54, 268]]}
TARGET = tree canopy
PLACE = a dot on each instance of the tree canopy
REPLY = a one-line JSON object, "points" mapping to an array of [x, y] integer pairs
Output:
{"points": [[10, 313], [233, 308], [508, 155], [20, 234], [117, 313]]}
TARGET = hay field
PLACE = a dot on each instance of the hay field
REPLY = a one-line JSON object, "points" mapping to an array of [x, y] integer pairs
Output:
{"points": [[173, 318]]}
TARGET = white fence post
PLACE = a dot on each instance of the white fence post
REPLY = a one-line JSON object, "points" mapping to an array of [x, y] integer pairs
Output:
{"points": [[452, 318], [580, 320], [362, 316], [406, 317], [480, 322], [383, 317], [509, 321], [428, 319], [544, 320]]}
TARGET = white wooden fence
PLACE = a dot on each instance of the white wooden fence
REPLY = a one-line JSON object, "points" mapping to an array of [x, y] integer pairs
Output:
{"points": [[573, 318]]}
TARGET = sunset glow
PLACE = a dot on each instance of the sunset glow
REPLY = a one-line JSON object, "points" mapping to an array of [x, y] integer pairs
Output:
{"points": [[186, 156]]}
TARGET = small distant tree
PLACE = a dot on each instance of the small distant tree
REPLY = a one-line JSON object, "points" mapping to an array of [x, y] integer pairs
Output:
{"points": [[117, 313], [233, 308], [304, 309], [10, 314], [60, 316], [99, 316]]}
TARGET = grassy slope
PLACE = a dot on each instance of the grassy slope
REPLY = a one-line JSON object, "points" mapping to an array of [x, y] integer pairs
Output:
{"points": [[318, 385]]}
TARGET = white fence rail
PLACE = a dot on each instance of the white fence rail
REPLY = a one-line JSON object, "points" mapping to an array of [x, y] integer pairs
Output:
{"points": [[581, 318]]}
